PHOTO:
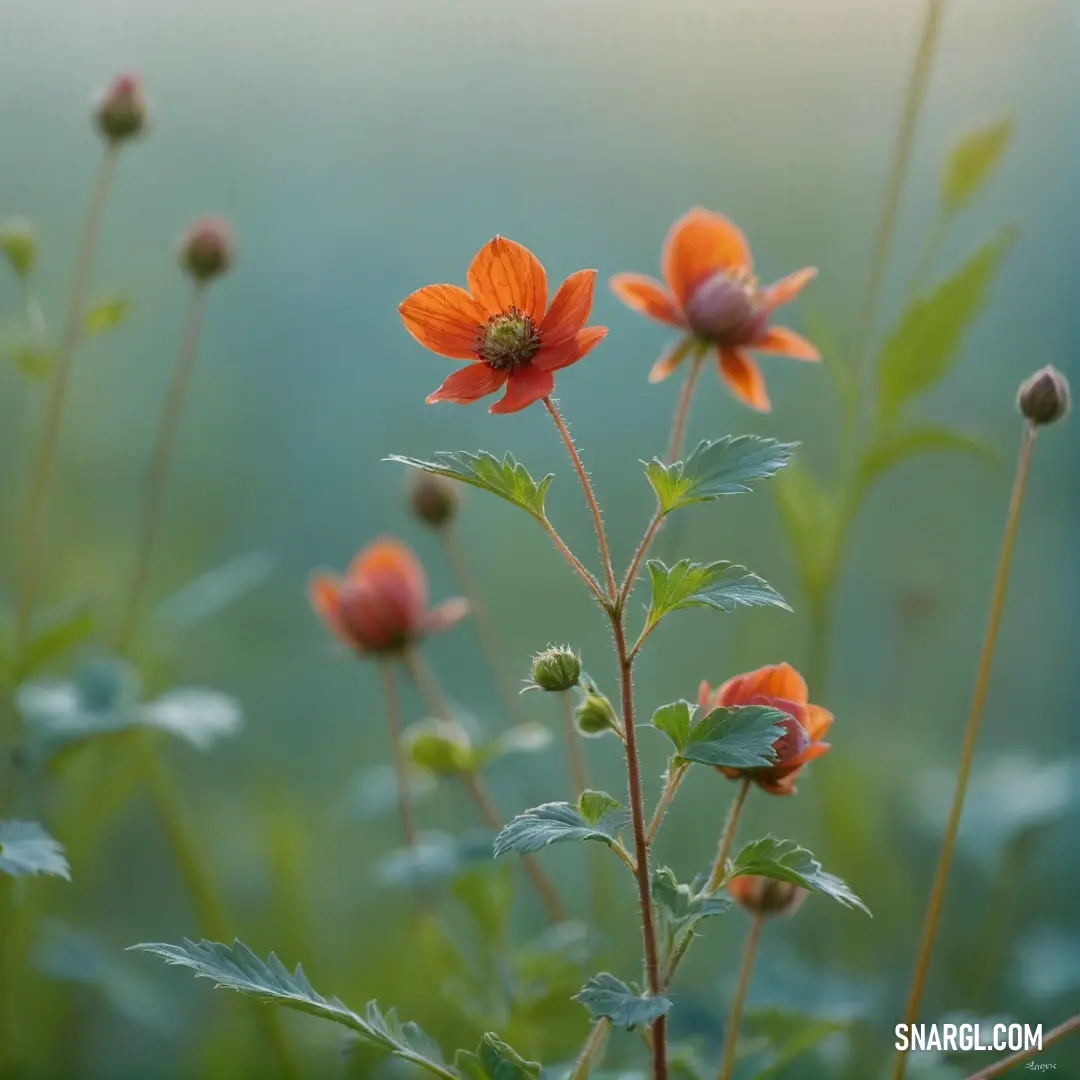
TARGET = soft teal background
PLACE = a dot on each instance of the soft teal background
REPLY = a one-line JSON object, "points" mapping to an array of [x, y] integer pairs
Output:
{"points": [[363, 150]]}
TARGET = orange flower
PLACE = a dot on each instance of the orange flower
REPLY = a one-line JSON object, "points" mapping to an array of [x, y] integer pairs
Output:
{"points": [[764, 896], [712, 294], [779, 686], [381, 605], [503, 325]]}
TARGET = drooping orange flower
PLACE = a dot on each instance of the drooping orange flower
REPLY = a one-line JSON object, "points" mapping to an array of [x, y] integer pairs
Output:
{"points": [[504, 326], [712, 294], [778, 686], [381, 604], [765, 896]]}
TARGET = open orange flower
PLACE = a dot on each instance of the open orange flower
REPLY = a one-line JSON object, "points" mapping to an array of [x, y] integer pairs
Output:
{"points": [[778, 686], [504, 326], [381, 605], [712, 294]]}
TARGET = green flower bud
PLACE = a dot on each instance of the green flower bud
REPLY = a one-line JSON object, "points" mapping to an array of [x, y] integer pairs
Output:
{"points": [[440, 746], [1044, 397], [556, 668], [121, 111], [19, 244], [207, 248], [595, 716]]}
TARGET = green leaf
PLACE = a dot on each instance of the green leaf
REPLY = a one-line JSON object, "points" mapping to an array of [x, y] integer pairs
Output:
{"points": [[198, 717], [528, 738], [238, 968], [507, 478], [720, 585], [31, 355], [811, 519], [784, 860], [19, 245], [555, 822], [893, 447], [440, 746], [674, 721], [211, 593], [595, 804], [820, 332], [26, 848], [60, 631], [787, 1035], [972, 162], [717, 467], [434, 859], [925, 344], [106, 315], [607, 997], [679, 909], [495, 1060], [735, 736]]}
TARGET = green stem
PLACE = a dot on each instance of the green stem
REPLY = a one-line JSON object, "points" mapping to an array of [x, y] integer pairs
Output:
{"points": [[967, 754], [58, 394], [727, 837], [737, 1002], [158, 476], [928, 256], [397, 749], [819, 609], [1003, 1066], [591, 1051], [427, 684]]}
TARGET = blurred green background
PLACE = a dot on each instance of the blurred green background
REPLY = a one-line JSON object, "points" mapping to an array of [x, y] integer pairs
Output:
{"points": [[363, 150]]}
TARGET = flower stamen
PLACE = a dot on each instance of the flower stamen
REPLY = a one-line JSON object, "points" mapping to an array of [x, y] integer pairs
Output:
{"points": [[508, 340]]}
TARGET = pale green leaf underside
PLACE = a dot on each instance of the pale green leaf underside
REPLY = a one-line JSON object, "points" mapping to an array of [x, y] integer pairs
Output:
{"points": [[26, 848], [237, 968], [716, 467], [784, 860], [679, 909], [972, 161], [608, 997], [508, 479], [553, 823], [720, 585]]}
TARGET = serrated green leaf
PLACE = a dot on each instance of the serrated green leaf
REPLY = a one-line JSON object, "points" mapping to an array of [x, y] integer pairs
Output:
{"points": [[787, 1035], [495, 1060], [238, 968], [784, 860], [595, 804], [972, 162], [716, 467], [607, 997], [26, 848], [553, 823], [19, 244], [106, 315], [720, 585], [679, 909], [924, 346], [674, 721], [211, 593], [811, 519], [735, 736], [507, 478], [895, 446]]}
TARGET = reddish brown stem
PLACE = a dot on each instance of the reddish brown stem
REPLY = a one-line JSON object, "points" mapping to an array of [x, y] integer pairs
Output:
{"points": [[1005, 1064]]}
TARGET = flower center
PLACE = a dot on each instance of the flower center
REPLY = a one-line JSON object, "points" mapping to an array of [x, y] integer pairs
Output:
{"points": [[508, 340], [727, 309]]}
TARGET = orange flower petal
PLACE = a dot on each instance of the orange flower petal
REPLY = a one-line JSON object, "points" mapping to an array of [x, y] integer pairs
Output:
{"points": [[772, 681], [444, 319], [468, 384], [819, 722], [564, 353], [671, 359], [570, 308], [779, 339], [647, 296], [813, 751], [699, 244], [323, 592], [442, 616], [786, 786], [506, 275], [526, 385], [744, 379], [704, 695], [787, 288], [394, 572]]}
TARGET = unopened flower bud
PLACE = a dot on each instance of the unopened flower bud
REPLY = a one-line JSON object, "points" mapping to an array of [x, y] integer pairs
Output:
{"points": [[433, 499], [19, 244], [207, 249], [766, 896], [440, 746], [556, 668], [121, 111], [1044, 397], [792, 743], [595, 716]]}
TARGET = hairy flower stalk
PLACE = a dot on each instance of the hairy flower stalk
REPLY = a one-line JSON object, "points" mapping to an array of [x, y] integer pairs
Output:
{"points": [[997, 603], [746, 968]]}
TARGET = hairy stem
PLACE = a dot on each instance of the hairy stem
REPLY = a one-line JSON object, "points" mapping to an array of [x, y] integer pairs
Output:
{"points": [[971, 735], [158, 476], [727, 837], [682, 409], [397, 748], [672, 783], [592, 1051], [735, 1018], [590, 497], [58, 394], [543, 885], [1005, 1064]]}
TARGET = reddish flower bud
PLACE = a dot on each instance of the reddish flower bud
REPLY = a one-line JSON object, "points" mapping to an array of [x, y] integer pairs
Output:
{"points": [[207, 249], [726, 310], [766, 896], [433, 499], [121, 111], [380, 606], [1044, 398]]}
